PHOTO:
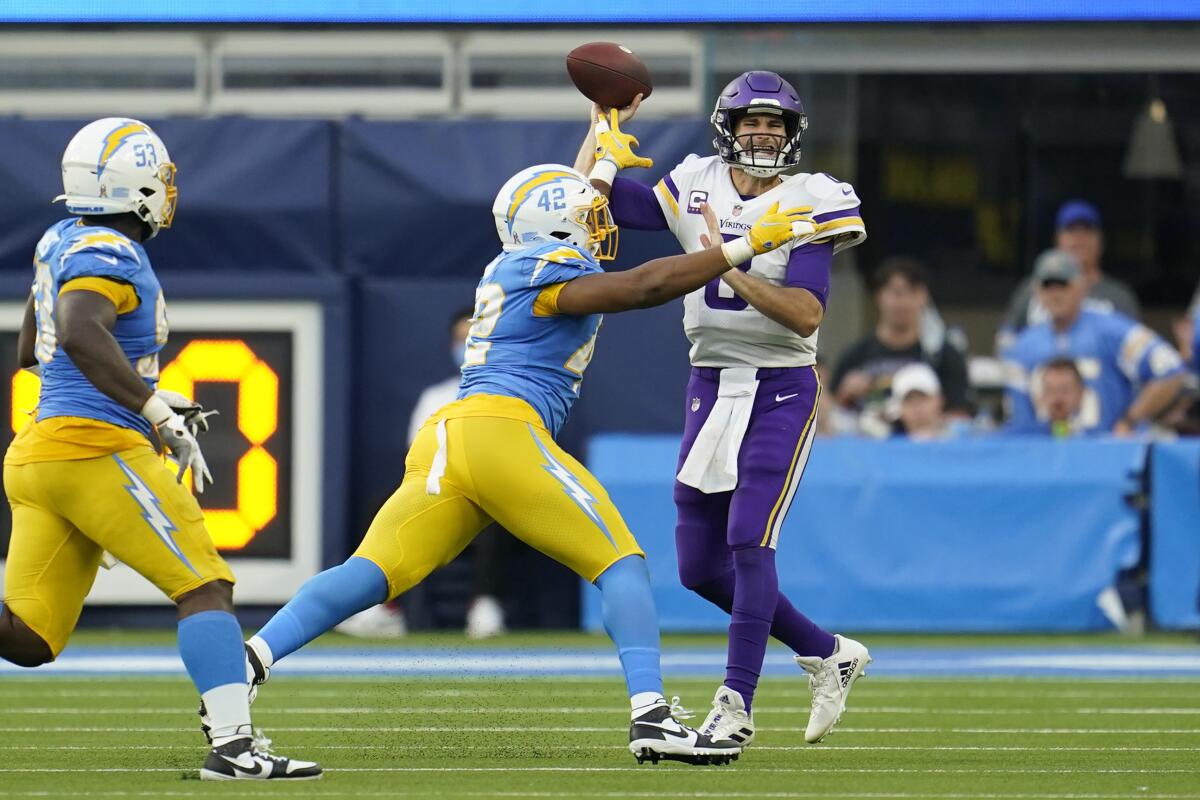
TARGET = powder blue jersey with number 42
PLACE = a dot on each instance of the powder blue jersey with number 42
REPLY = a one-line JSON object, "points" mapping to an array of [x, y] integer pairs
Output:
{"points": [[515, 351]]}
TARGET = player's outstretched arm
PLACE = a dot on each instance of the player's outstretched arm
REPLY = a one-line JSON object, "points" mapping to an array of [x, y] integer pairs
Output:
{"points": [[663, 279]]}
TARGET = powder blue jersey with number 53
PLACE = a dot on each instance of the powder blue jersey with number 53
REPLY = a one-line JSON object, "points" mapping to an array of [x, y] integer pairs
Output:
{"points": [[518, 349], [71, 250]]}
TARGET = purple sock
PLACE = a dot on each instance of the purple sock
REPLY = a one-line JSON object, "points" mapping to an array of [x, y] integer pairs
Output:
{"points": [[805, 637], [755, 595], [790, 626]]}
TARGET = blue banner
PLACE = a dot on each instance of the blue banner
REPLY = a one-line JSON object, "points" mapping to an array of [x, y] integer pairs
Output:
{"points": [[614, 11], [1175, 534], [983, 535]]}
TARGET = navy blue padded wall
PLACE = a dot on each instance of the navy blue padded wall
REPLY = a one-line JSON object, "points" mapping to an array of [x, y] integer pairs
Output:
{"points": [[417, 196], [254, 195]]}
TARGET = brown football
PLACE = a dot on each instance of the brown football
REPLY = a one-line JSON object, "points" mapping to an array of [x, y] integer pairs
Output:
{"points": [[608, 73]]}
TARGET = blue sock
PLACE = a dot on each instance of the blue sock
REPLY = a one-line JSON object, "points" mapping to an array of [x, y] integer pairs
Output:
{"points": [[210, 644], [322, 602], [628, 610]]}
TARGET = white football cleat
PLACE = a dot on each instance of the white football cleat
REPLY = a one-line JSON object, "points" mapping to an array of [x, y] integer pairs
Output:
{"points": [[831, 680], [656, 735], [377, 622], [729, 718], [247, 760], [485, 618]]}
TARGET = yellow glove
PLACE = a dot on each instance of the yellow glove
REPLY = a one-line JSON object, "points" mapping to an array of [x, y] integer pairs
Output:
{"points": [[773, 230], [614, 150]]}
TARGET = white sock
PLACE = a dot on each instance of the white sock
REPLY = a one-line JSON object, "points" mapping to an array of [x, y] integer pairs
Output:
{"points": [[228, 707], [263, 651], [644, 701]]}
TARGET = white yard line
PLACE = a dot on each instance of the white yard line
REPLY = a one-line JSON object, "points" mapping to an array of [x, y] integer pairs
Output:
{"points": [[765, 710]]}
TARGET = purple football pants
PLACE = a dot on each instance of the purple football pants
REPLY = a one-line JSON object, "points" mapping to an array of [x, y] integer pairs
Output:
{"points": [[726, 541]]}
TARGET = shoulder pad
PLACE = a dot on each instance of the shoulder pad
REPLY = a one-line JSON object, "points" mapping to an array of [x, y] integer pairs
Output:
{"points": [[694, 163], [103, 241], [564, 253], [822, 185]]}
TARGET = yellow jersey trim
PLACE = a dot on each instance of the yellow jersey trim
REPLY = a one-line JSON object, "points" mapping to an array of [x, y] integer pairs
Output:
{"points": [[837, 224], [665, 193], [122, 295], [546, 304]]}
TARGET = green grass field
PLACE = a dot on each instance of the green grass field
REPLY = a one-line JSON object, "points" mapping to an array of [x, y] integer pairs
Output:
{"points": [[533, 737]]}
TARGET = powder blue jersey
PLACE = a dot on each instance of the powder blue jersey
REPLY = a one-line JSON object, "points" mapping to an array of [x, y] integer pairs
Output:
{"points": [[71, 250], [1115, 354], [519, 345]]}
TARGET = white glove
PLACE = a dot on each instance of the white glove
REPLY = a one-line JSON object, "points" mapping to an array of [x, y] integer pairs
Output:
{"points": [[173, 430], [192, 412]]}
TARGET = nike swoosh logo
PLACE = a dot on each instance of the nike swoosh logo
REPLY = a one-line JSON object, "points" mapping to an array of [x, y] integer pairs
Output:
{"points": [[683, 737], [258, 768], [109, 259], [779, 398], [847, 192]]}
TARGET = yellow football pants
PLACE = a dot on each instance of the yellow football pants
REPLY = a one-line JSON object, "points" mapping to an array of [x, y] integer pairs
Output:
{"points": [[66, 513], [506, 470]]}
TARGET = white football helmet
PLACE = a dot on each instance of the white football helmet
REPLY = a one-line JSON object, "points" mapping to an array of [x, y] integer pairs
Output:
{"points": [[119, 166], [554, 203]]}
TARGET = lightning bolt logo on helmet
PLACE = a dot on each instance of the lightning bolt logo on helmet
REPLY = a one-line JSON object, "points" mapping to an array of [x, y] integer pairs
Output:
{"points": [[117, 137]]}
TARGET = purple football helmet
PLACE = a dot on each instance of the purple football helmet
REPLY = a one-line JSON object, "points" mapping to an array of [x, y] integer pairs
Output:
{"points": [[759, 92]]}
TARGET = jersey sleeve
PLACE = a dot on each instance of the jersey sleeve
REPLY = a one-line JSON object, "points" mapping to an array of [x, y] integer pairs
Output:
{"points": [[122, 295], [1142, 354], [809, 267], [674, 185], [104, 254], [635, 205], [837, 213]]}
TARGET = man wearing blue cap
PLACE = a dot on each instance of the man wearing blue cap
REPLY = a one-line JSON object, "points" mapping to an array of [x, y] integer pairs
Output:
{"points": [[1130, 374], [1078, 232]]}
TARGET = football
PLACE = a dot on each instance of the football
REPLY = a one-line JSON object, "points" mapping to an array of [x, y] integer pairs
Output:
{"points": [[608, 74]]}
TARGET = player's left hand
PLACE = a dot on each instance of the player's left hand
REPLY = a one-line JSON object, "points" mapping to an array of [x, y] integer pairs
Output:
{"points": [[617, 147], [182, 443], [178, 438], [776, 228], [192, 412]]}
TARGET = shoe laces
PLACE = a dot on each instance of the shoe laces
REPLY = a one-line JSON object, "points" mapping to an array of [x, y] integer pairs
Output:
{"points": [[261, 745], [825, 685], [678, 711]]}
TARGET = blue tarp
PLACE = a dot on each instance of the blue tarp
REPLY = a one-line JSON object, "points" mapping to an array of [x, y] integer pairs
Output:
{"points": [[1175, 534], [985, 535]]}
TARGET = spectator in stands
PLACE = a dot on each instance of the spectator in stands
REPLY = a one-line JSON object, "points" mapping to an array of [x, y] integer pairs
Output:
{"points": [[1063, 392], [1078, 232], [916, 403], [863, 376], [485, 616], [1130, 373]]}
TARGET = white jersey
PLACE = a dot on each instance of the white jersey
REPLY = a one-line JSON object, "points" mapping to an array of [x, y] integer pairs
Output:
{"points": [[724, 330]]}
